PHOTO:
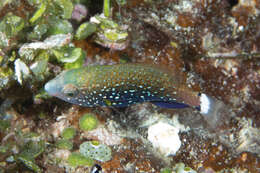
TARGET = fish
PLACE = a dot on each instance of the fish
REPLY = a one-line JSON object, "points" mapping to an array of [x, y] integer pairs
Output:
{"points": [[123, 85]]}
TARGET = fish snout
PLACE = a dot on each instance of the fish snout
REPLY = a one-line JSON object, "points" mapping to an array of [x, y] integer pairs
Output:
{"points": [[52, 88]]}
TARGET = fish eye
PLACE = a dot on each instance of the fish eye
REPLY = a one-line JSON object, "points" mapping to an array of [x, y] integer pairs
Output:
{"points": [[70, 90]]}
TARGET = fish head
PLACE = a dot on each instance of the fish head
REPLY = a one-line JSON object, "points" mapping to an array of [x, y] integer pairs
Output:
{"points": [[66, 87]]}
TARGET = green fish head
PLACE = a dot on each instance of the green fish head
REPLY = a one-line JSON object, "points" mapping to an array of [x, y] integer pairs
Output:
{"points": [[65, 87]]}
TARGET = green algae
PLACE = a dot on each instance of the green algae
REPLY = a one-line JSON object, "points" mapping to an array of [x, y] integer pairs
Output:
{"points": [[166, 170], [60, 8], [29, 51], [72, 57], [107, 8], [114, 36], [26, 34], [77, 159], [64, 144], [5, 72], [68, 54], [95, 150], [29, 163], [107, 23], [181, 168], [121, 2], [4, 2], [39, 12], [39, 69], [68, 133], [3, 149], [33, 149], [48, 19], [10, 26], [109, 33], [30, 151], [66, 7], [6, 75], [85, 30], [88, 122], [38, 31], [41, 95], [59, 26], [31, 135], [4, 124]]}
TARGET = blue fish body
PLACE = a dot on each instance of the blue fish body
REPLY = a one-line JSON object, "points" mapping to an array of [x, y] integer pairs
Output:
{"points": [[123, 85]]}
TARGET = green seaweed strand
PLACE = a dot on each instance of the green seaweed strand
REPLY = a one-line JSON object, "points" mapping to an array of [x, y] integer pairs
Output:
{"points": [[106, 9]]}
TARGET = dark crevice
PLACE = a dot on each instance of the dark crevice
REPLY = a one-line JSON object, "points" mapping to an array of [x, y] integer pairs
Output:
{"points": [[95, 7], [232, 3]]}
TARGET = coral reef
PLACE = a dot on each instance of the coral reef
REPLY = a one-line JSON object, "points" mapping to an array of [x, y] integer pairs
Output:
{"points": [[214, 44]]}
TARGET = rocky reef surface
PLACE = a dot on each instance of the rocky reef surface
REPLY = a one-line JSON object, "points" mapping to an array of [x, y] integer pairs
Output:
{"points": [[214, 43]]}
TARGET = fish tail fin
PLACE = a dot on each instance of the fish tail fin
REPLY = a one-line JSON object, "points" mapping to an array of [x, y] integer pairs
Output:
{"points": [[206, 104], [214, 111]]}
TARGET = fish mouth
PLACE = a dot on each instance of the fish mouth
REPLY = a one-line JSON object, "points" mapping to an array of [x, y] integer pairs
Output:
{"points": [[52, 88]]}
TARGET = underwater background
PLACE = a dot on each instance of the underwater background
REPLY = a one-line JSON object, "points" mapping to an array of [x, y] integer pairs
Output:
{"points": [[206, 46]]}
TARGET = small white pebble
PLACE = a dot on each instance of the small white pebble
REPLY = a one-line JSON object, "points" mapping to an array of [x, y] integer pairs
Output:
{"points": [[164, 137]]}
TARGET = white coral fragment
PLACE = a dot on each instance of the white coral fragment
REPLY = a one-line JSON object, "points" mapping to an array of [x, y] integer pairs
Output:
{"points": [[164, 137], [54, 41], [22, 72]]}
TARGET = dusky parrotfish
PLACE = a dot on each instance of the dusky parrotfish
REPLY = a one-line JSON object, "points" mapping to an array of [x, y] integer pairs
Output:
{"points": [[122, 85]]}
